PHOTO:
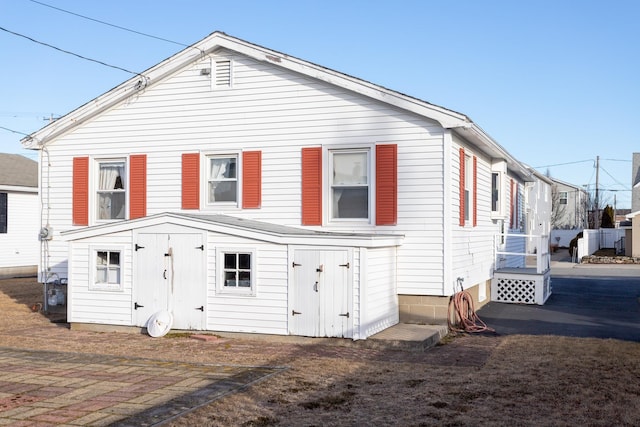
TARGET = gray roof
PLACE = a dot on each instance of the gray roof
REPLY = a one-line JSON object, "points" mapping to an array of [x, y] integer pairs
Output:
{"points": [[17, 170]]}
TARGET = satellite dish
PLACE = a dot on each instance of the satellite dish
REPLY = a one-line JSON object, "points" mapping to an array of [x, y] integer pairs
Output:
{"points": [[159, 324]]}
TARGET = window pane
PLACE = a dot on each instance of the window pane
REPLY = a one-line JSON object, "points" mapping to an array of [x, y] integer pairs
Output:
{"points": [[350, 168], [111, 205], [224, 191], [114, 258], [111, 176], [114, 275], [222, 168], [351, 202], [244, 279], [101, 258], [495, 191], [230, 261], [101, 275], [230, 278], [245, 261]]}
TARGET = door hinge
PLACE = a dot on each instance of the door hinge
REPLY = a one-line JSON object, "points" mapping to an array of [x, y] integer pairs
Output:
{"points": [[139, 247]]}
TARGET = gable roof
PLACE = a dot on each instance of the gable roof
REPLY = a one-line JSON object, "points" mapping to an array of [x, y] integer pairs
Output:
{"points": [[448, 119], [18, 171]]}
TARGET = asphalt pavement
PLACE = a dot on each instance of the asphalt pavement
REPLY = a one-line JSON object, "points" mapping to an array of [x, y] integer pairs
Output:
{"points": [[587, 300]]}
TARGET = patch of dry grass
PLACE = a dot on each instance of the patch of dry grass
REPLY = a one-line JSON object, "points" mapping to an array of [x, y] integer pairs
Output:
{"points": [[470, 380]]}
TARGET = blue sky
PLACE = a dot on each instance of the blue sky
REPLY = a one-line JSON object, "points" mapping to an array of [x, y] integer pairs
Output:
{"points": [[556, 83]]}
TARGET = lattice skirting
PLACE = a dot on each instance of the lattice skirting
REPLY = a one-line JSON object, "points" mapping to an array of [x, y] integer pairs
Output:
{"points": [[521, 288]]}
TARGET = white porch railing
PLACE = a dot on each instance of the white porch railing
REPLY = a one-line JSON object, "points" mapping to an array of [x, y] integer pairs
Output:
{"points": [[519, 249]]}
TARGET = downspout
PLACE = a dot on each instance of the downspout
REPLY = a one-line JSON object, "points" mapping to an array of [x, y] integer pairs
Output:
{"points": [[447, 227]]}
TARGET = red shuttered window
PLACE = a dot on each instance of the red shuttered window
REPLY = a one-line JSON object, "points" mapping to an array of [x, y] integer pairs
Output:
{"points": [[386, 184], [80, 198], [251, 179], [462, 182], [475, 191], [138, 186], [191, 181], [312, 186]]}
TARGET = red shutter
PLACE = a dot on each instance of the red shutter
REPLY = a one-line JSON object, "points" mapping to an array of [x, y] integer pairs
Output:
{"points": [[191, 181], [251, 179], [80, 197], [386, 184], [512, 210], [138, 186], [312, 186], [462, 172], [475, 191]]}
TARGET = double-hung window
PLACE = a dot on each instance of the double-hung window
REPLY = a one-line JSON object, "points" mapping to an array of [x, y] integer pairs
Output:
{"points": [[350, 184], [111, 191], [468, 187], [222, 179], [3, 213]]}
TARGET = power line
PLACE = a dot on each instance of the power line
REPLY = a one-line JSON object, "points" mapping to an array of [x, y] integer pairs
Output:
{"points": [[14, 131], [70, 53], [564, 164], [109, 24]]}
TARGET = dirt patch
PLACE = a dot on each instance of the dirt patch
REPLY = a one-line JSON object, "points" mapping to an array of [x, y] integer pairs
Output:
{"points": [[470, 380]]}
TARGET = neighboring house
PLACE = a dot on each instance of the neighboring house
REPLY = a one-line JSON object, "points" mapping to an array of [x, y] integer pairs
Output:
{"points": [[632, 236], [570, 206], [19, 216], [246, 190]]}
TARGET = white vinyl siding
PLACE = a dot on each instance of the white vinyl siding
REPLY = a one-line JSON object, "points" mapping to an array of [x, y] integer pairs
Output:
{"points": [[88, 304], [379, 297], [19, 246], [278, 112]]}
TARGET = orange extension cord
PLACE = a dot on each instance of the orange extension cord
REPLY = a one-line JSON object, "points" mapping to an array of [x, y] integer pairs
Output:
{"points": [[462, 316]]}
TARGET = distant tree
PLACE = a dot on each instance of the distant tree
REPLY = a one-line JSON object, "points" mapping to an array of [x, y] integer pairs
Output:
{"points": [[557, 209], [607, 217]]}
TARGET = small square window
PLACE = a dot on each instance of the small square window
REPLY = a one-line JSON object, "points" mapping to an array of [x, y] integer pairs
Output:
{"points": [[564, 197], [238, 272], [107, 274]]}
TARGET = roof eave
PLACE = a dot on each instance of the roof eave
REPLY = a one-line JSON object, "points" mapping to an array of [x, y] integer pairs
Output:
{"points": [[446, 118]]}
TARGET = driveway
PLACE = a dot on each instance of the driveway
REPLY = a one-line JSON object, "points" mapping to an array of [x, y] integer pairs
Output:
{"points": [[587, 300]]}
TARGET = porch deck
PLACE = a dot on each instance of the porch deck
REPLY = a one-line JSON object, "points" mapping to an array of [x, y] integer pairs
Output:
{"points": [[522, 277]]}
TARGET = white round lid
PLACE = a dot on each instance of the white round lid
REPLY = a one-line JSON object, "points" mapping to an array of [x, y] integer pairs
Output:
{"points": [[159, 323]]}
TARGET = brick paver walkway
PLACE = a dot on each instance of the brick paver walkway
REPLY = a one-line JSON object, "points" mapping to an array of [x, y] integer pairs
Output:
{"points": [[52, 388]]}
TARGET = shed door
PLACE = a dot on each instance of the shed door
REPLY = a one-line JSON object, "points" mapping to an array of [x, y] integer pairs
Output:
{"points": [[170, 275], [320, 301]]}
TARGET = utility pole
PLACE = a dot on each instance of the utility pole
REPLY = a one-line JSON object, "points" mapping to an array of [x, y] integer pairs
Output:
{"points": [[597, 207]]}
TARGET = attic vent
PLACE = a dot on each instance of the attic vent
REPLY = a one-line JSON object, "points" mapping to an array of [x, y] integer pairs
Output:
{"points": [[222, 74]]}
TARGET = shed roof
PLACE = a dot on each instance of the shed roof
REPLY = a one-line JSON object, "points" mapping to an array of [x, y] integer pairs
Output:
{"points": [[251, 229], [18, 171]]}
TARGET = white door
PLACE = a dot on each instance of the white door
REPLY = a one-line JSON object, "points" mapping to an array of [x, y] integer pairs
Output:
{"points": [[320, 301], [170, 275]]}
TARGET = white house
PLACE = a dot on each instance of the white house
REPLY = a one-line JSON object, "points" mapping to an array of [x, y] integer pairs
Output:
{"points": [[19, 216], [571, 206], [246, 190]]}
